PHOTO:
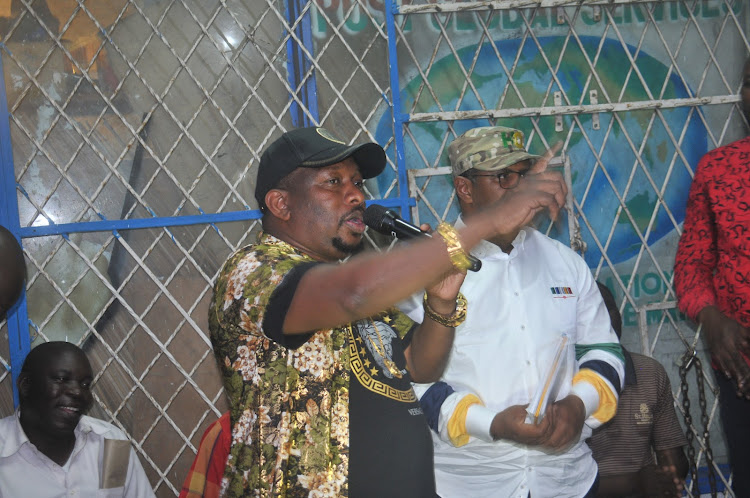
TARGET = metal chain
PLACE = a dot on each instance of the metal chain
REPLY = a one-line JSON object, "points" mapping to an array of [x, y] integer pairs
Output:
{"points": [[689, 360], [688, 421], [704, 420]]}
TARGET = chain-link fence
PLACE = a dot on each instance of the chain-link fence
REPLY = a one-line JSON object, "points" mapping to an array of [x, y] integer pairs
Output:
{"points": [[136, 126], [636, 91], [132, 123]]}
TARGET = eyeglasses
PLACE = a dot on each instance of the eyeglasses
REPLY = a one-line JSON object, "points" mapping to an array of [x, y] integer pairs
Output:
{"points": [[507, 178]]}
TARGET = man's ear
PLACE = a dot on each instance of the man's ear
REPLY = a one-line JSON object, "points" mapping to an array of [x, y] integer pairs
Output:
{"points": [[277, 203], [24, 385], [464, 189]]}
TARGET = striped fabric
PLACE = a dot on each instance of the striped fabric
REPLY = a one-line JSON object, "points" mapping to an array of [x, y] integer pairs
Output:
{"points": [[645, 421], [204, 478]]}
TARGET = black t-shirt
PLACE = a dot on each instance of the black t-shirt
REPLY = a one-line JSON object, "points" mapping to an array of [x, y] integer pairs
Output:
{"points": [[390, 447], [390, 452]]}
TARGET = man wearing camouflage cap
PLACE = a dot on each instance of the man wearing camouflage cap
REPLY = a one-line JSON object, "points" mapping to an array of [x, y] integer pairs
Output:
{"points": [[531, 290]]}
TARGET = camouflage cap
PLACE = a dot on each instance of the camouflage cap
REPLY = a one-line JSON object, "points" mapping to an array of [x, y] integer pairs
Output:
{"points": [[489, 148]]}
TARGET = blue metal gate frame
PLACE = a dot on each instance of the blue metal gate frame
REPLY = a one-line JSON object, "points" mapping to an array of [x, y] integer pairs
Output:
{"points": [[298, 66], [399, 117]]}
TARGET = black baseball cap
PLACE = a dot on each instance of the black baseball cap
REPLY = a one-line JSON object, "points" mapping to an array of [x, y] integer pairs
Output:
{"points": [[312, 148]]}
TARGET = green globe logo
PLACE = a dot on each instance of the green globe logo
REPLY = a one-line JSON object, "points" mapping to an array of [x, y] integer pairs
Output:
{"points": [[614, 141]]}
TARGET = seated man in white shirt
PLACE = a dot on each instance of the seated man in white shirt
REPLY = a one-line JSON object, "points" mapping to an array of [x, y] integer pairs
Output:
{"points": [[49, 448], [530, 290]]}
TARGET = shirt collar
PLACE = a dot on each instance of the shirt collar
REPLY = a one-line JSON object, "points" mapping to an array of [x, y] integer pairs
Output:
{"points": [[630, 376], [283, 247], [16, 437], [488, 250]]}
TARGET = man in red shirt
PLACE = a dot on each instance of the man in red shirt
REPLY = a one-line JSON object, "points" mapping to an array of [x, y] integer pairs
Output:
{"points": [[712, 280]]}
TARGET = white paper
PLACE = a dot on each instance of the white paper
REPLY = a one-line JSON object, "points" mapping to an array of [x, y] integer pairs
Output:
{"points": [[551, 383]]}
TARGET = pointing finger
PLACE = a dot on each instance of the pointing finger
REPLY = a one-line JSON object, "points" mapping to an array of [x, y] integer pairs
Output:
{"points": [[541, 164]]}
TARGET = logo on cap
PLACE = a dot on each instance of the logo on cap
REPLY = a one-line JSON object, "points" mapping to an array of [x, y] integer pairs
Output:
{"points": [[327, 135], [516, 140], [487, 148]]}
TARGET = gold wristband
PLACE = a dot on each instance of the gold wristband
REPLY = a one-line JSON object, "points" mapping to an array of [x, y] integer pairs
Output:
{"points": [[454, 319], [456, 252]]}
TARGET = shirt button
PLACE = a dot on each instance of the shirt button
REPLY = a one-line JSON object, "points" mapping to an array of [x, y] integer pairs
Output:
{"points": [[528, 362], [523, 327], [516, 293]]}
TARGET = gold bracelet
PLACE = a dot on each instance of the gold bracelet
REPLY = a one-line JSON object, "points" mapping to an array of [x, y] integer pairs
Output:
{"points": [[456, 252], [454, 319]]}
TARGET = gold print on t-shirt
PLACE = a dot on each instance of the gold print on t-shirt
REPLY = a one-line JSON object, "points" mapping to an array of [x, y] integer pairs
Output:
{"points": [[365, 375], [644, 417], [382, 353]]}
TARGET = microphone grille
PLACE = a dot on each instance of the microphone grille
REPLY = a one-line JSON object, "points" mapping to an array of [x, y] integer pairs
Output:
{"points": [[376, 217]]}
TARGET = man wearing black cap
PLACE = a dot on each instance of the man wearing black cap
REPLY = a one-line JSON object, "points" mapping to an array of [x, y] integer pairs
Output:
{"points": [[312, 354]]}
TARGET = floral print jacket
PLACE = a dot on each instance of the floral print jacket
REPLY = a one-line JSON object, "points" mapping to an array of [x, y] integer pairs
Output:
{"points": [[289, 407]]}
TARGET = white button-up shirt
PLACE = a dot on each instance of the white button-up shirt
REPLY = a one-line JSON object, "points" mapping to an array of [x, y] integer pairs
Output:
{"points": [[26, 472], [519, 304]]}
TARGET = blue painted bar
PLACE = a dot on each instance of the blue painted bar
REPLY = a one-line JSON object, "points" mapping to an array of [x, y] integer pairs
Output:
{"points": [[136, 223], [159, 222], [311, 85], [290, 14], [298, 64], [19, 341], [398, 117]]}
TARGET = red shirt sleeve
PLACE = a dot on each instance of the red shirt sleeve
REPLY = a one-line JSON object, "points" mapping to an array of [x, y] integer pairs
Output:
{"points": [[696, 252]]}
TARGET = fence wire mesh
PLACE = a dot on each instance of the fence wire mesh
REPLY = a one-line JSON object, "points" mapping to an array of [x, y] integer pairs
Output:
{"points": [[138, 109], [125, 110], [637, 92]]}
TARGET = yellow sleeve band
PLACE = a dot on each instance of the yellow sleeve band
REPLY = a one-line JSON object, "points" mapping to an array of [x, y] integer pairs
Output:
{"points": [[457, 423], [607, 399]]}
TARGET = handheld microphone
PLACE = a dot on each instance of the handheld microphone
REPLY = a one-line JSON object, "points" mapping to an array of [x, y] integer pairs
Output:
{"points": [[388, 222]]}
